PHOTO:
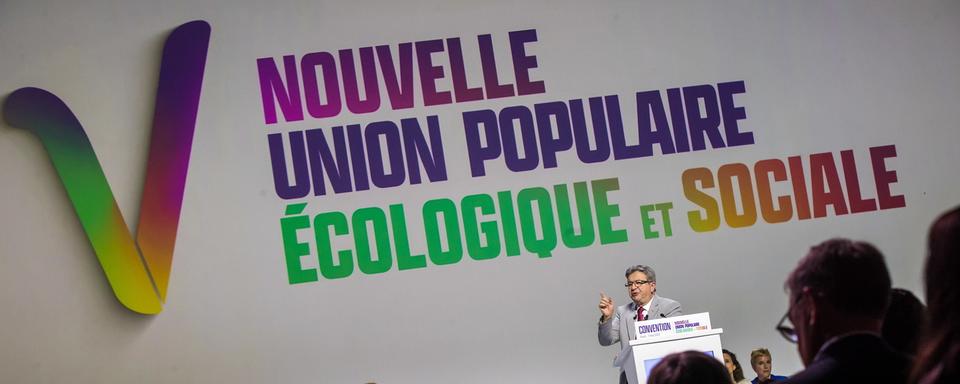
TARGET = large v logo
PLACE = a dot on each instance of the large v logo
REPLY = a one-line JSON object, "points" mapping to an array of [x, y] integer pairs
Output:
{"points": [[137, 271]]}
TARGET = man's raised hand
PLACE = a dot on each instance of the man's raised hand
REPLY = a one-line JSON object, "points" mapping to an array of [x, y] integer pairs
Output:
{"points": [[606, 306]]}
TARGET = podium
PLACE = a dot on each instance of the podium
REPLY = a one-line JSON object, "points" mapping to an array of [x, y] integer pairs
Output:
{"points": [[658, 338]]}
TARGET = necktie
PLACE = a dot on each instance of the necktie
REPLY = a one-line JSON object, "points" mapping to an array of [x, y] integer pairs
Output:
{"points": [[639, 314]]}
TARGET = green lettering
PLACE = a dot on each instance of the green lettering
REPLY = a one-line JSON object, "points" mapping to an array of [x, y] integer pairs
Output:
{"points": [[293, 250], [584, 215], [542, 247], [472, 229], [431, 226], [381, 240], [511, 240], [321, 230], [606, 211], [405, 260]]}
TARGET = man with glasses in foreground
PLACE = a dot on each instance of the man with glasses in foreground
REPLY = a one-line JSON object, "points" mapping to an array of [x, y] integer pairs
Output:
{"points": [[839, 293], [616, 323]]}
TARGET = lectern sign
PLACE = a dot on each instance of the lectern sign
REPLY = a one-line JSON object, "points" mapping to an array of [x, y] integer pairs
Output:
{"points": [[649, 329]]}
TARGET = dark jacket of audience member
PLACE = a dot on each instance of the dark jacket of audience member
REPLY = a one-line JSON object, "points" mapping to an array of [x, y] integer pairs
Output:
{"points": [[904, 322], [938, 358], [690, 367], [838, 297]]}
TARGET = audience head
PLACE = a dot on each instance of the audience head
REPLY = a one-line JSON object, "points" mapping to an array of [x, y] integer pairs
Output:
{"points": [[840, 286], [733, 366], [904, 321], [940, 350], [688, 367], [762, 363], [942, 269]]}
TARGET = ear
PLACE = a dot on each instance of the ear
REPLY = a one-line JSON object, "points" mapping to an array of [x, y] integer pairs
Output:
{"points": [[653, 284], [812, 306]]}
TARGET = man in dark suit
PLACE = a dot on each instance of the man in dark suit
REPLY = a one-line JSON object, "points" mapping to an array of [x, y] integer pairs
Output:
{"points": [[616, 323], [839, 293]]}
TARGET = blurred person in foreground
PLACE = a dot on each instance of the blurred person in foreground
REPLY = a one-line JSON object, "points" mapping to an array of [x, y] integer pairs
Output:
{"points": [[690, 367], [938, 358], [904, 322], [839, 294]]}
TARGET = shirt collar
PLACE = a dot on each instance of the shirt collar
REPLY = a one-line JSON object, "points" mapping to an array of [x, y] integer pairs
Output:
{"points": [[646, 307]]}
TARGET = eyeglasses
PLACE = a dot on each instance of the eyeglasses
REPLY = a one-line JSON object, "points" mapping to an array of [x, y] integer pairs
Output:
{"points": [[631, 284], [785, 327]]}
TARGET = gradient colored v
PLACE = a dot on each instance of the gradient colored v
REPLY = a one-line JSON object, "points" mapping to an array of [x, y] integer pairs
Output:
{"points": [[139, 271]]}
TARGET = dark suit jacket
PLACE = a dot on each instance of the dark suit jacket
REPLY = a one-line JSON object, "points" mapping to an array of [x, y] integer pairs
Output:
{"points": [[856, 358]]}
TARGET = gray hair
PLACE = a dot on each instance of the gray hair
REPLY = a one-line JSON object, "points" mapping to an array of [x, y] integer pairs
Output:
{"points": [[644, 269]]}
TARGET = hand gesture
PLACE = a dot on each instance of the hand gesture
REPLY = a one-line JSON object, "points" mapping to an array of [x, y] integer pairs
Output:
{"points": [[606, 306]]}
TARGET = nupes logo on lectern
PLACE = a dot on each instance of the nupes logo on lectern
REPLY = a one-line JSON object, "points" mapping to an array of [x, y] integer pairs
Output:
{"points": [[138, 270]]}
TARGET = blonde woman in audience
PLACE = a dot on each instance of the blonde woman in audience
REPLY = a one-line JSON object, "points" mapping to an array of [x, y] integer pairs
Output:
{"points": [[762, 364]]}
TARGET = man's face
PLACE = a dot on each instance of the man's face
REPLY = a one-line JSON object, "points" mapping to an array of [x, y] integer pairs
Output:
{"points": [[762, 366], [640, 293], [802, 314]]}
